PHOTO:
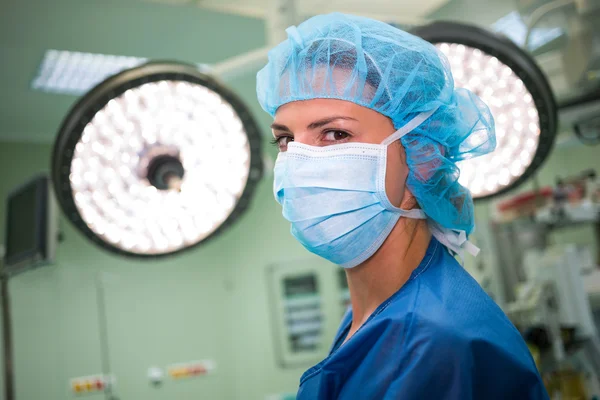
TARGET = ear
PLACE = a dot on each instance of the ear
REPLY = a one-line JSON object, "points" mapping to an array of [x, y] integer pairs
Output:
{"points": [[408, 201]]}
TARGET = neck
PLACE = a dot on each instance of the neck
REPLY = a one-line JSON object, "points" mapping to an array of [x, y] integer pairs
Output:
{"points": [[375, 280]]}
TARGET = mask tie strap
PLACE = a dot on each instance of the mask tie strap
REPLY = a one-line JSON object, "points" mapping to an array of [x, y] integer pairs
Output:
{"points": [[455, 241], [410, 126], [415, 213]]}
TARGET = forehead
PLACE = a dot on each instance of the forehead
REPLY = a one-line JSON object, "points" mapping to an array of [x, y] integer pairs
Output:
{"points": [[315, 109]]}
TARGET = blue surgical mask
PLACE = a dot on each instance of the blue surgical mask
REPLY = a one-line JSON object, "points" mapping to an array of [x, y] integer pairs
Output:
{"points": [[335, 197]]}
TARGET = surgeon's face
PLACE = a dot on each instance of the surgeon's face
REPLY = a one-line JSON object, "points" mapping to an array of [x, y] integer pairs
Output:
{"points": [[323, 122]]}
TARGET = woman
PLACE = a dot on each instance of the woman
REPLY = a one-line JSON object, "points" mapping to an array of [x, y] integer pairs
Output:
{"points": [[369, 128]]}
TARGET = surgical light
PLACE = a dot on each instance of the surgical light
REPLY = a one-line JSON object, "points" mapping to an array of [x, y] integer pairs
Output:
{"points": [[156, 159], [509, 81]]}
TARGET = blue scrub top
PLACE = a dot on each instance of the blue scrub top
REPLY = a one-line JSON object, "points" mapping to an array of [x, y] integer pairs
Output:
{"points": [[439, 337]]}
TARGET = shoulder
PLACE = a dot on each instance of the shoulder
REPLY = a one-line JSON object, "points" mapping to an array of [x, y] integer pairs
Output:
{"points": [[444, 311], [479, 339], [447, 295], [501, 356], [444, 294], [425, 358]]}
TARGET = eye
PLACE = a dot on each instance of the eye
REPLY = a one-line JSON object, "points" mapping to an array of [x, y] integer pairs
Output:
{"points": [[281, 142], [335, 136]]}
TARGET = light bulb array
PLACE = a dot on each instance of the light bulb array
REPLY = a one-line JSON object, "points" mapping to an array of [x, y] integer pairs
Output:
{"points": [[515, 116]]}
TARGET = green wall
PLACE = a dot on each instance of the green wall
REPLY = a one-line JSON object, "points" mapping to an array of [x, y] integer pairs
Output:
{"points": [[478, 12]]}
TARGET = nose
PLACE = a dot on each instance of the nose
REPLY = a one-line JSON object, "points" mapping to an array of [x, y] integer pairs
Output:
{"points": [[306, 137]]}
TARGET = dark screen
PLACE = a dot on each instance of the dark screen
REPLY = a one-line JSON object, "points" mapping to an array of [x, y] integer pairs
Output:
{"points": [[24, 222]]}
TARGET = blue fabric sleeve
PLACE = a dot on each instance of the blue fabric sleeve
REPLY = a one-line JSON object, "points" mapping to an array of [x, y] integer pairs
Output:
{"points": [[448, 366]]}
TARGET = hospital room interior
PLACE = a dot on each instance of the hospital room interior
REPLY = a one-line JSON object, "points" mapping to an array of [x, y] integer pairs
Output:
{"points": [[143, 254]]}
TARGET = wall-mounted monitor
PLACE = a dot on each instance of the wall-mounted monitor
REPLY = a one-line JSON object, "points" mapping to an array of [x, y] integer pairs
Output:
{"points": [[31, 226]]}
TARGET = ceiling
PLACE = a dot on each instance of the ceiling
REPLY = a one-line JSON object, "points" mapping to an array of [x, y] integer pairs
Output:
{"points": [[401, 10], [119, 27], [197, 31]]}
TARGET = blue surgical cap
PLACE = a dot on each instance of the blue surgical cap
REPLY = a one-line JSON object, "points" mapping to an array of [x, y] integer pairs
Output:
{"points": [[399, 75]]}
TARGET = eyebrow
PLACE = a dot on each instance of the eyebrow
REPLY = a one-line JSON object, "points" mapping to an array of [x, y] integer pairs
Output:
{"points": [[325, 121], [279, 127], [313, 125]]}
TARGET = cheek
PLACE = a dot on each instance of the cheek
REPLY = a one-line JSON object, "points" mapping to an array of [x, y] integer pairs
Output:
{"points": [[396, 174]]}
